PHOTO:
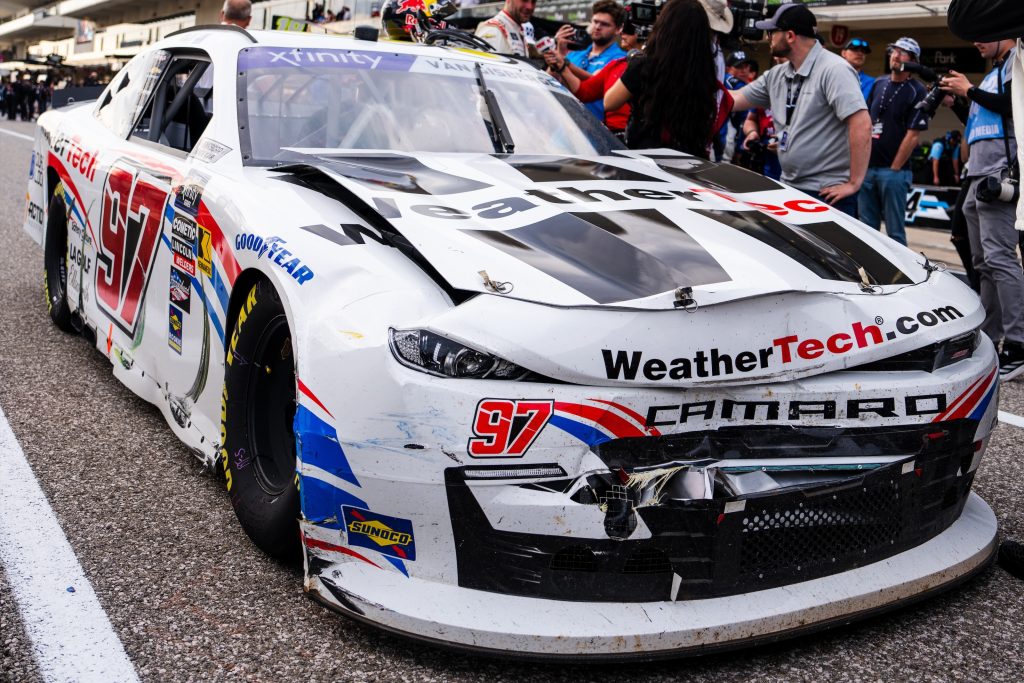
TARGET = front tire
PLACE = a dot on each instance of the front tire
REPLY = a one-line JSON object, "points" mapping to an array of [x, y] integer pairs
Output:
{"points": [[55, 265], [257, 411]]}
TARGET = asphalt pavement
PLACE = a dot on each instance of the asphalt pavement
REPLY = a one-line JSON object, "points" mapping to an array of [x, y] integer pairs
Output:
{"points": [[190, 597]]}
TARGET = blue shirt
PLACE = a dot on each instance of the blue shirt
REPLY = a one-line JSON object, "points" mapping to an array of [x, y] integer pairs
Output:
{"points": [[582, 59], [865, 84]]}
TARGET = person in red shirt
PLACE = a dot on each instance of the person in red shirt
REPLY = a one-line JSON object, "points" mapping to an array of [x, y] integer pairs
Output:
{"points": [[593, 89]]}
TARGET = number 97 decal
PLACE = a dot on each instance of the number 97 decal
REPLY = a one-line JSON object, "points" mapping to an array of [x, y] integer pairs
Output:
{"points": [[503, 428]]}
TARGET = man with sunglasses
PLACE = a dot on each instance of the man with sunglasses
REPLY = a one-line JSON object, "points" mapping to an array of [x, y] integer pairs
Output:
{"points": [[856, 52]]}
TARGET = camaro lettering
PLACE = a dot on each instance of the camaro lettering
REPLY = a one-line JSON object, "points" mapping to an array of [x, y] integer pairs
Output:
{"points": [[670, 415], [631, 365]]}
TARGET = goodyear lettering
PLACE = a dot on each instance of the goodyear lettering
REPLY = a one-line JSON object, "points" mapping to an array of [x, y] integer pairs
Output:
{"points": [[224, 432], [273, 248], [631, 365]]}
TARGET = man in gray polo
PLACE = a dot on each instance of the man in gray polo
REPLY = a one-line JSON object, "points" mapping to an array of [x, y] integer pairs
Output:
{"points": [[820, 115]]}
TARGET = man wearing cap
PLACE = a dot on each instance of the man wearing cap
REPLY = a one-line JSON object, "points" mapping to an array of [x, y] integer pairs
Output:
{"points": [[895, 127], [856, 52], [741, 70], [820, 114]]}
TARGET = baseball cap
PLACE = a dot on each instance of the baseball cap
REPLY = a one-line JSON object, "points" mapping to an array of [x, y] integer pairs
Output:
{"points": [[857, 44], [792, 16], [740, 57], [908, 44]]}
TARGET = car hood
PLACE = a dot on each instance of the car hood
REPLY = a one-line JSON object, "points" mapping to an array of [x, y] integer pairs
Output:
{"points": [[655, 230]]}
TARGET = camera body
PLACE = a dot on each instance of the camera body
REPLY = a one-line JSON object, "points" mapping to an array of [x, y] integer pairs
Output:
{"points": [[744, 14], [642, 15]]}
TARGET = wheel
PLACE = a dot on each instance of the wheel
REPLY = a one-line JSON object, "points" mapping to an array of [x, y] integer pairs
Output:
{"points": [[55, 264], [257, 411]]}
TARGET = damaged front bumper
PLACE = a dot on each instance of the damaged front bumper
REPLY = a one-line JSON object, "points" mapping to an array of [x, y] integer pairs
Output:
{"points": [[540, 628]]}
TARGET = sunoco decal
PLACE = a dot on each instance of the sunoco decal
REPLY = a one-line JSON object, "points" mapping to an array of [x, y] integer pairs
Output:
{"points": [[627, 365], [174, 324], [387, 535]]}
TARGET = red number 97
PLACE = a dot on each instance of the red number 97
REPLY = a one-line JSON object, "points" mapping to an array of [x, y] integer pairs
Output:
{"points": [[505, 428]]}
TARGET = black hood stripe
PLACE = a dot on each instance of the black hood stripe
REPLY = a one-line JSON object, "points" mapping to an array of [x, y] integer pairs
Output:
{"points": [[820, 250], [611, 257], [392, 171], [723, 177], [545, 169]]}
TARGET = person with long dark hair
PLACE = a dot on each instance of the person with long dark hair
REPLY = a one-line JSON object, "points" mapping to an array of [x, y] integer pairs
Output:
{"points": [[678, 101]]}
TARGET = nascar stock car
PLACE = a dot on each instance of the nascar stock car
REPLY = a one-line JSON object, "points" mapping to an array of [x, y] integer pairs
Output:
{"points": [[504, 384]]}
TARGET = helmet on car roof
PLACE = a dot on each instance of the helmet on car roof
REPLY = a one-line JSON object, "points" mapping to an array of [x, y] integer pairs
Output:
{"points": [[409, 19]]}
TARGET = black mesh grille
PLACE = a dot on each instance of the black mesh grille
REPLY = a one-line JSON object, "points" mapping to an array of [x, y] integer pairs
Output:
{"points": [[574, 559], [647, 561], [779, 538], [845, 526]]}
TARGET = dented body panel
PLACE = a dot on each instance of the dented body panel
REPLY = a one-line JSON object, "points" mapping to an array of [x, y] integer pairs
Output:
{"points": [[731, 413]]}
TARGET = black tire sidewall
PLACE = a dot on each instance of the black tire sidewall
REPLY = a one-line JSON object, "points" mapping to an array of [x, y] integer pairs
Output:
{"points": [[55, 246], [271, 521]]}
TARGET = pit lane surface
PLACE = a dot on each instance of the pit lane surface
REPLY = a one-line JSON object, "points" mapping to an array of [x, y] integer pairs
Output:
{"points": [[191, 598]]}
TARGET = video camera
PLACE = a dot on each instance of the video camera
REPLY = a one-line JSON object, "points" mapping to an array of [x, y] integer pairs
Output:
{"points": [[642, 14], [933, 100], [744, 14]]}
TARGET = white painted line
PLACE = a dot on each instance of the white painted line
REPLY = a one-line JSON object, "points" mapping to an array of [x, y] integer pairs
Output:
{"points": [[72, 639], [1011, 419], [17, 135]]}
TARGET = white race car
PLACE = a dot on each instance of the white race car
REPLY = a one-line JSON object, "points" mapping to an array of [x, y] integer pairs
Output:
{"points": [[507, 385]]}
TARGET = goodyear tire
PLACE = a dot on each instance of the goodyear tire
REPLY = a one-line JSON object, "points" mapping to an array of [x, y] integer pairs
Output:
{"points": [[55, 264], [257, 410]]}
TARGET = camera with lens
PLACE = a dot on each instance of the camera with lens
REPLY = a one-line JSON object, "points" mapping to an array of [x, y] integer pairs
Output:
{"points": [[643, 15], [744, 14], [992, 189], [933, 100]]}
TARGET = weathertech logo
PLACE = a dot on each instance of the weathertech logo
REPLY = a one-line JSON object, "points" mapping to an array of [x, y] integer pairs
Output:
{"points": [[783, 351], [390, 536]]}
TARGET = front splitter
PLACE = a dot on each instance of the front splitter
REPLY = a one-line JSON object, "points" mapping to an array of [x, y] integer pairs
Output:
{"points": [[513, 626]]}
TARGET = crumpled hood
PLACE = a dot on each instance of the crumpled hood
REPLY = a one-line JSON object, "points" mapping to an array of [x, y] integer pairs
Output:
{"points": [[630, 231]]}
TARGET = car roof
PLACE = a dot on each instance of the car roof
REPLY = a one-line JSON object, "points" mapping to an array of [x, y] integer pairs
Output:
{"points": [[218, 40]]}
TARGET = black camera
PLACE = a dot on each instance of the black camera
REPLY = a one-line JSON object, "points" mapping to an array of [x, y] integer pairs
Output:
{"points": [[643, 15], [933, 100], [992, 189], [744, 14]]}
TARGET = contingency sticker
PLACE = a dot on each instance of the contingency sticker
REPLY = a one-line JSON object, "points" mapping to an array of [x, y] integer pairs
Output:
{"points": [[387, 535], [204, 252], [181, 290], [175, 322]]}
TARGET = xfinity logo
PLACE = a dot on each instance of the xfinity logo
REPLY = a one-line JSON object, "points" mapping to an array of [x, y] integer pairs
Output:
{"points": [[715, 363], [297, 57]]}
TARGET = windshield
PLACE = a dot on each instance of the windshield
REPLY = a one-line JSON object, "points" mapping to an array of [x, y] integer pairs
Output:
{"points": [[352, 99]]}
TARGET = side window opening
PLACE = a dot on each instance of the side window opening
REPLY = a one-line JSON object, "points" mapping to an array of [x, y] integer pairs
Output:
{"points": [[120, 105], [179, 110]]}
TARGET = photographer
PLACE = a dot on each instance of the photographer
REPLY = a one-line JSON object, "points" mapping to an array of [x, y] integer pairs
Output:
{"points": [[989, 215], [605, 25], [896, 123], [678, 101], [593, 89]]}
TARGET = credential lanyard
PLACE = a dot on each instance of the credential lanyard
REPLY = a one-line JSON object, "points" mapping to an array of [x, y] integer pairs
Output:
{"points": [[792, 95]]}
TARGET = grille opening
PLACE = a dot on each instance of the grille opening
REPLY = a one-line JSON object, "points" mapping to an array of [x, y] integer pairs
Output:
{"points": [[574, 559], [647, 561]]}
